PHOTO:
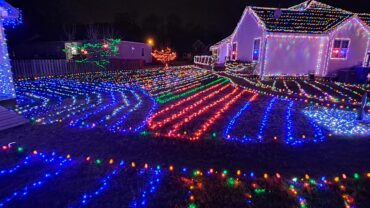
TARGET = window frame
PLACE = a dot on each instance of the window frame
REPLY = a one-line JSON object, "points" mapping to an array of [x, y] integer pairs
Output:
{"points": [[341, 42], [259, 50]]}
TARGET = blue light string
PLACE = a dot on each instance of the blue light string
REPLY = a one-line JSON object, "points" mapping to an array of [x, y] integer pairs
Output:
{"points": [[87, 197], [116, 127], [149, 114], [21, 193], [265, 119], [27, 161], [149, 190], [339, 122], [289, 139], [231, 125]]}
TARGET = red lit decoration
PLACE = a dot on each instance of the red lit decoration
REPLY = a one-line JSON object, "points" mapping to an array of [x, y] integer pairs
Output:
{"points": [[164, 56]]}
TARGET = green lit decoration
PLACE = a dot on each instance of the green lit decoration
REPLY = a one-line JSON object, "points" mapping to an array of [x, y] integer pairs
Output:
{"points": [[97, 53]]}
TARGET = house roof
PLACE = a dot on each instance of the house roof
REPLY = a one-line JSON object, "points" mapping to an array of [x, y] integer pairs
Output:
{"points": [[308, 20], [225, 40], [312, 4], [309, 17]]}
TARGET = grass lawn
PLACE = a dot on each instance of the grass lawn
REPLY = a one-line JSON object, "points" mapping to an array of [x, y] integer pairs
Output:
{"points": [[232, 130]]}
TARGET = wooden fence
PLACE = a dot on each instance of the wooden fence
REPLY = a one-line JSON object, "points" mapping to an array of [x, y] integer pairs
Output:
{"points": [[52, 67]]}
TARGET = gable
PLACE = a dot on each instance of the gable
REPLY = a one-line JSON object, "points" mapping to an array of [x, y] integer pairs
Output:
{"points": [[312, 4]]}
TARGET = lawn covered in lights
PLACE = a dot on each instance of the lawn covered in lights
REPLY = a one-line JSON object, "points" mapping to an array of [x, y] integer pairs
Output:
{"points": [[191, 103], [185, 137]]}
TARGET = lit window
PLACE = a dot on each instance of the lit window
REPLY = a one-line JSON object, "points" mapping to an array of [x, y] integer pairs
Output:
{"points": [[233, 52], [256, 49], [340, 49]]}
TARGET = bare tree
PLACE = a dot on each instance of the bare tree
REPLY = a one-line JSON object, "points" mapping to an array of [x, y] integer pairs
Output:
{"points": [[108, 31], [69, 31], [92, 32]]}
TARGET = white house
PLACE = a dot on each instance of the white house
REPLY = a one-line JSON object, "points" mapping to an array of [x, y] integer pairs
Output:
{"points": [[308, 37], [128, 51], [8, 15], [135, 51]]}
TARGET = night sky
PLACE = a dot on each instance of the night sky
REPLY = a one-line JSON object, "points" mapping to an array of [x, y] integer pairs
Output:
{"points": [[172, 23]]}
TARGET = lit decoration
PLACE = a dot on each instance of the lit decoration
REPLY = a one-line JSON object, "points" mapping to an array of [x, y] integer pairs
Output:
{"points": [[311, 21], [164, 98], [339, 122], [88, 197], [299, 89], [165, 56], [97, 53], [290, 134], [9, 17], [84, 105], [299, 189], [197, 107], [112, 100], [156, 125], [241, 67], [149, 189], [349, 188], [61, 163]]}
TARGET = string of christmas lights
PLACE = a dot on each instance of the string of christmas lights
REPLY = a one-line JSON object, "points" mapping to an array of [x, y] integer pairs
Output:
{"points": [[93, 105], [299, 188], [340, 122], [290, 134], [345, 102]]}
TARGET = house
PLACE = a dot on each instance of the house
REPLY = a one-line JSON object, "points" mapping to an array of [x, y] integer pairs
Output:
{"points": [[311, 37], [8, 15], [67, 49], [129, 50]]}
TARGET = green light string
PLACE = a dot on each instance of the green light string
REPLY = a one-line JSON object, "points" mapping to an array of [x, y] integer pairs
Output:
{"points": [[97, 53], [162, 100]]}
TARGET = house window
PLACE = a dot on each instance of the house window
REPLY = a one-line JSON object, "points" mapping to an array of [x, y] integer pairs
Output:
{"points": [[233, 52], [256, 49], [142, 51], [340, 49]]}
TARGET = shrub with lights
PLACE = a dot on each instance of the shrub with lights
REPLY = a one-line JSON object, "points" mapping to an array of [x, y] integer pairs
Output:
{"points": [[97, 53]]}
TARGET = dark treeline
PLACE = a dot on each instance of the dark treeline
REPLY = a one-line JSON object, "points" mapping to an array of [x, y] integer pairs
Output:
{"points": [[178, 24]]}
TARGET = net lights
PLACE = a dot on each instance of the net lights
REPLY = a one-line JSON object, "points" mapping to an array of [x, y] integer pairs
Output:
{"points": [[340, 122], [9, 16]]}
